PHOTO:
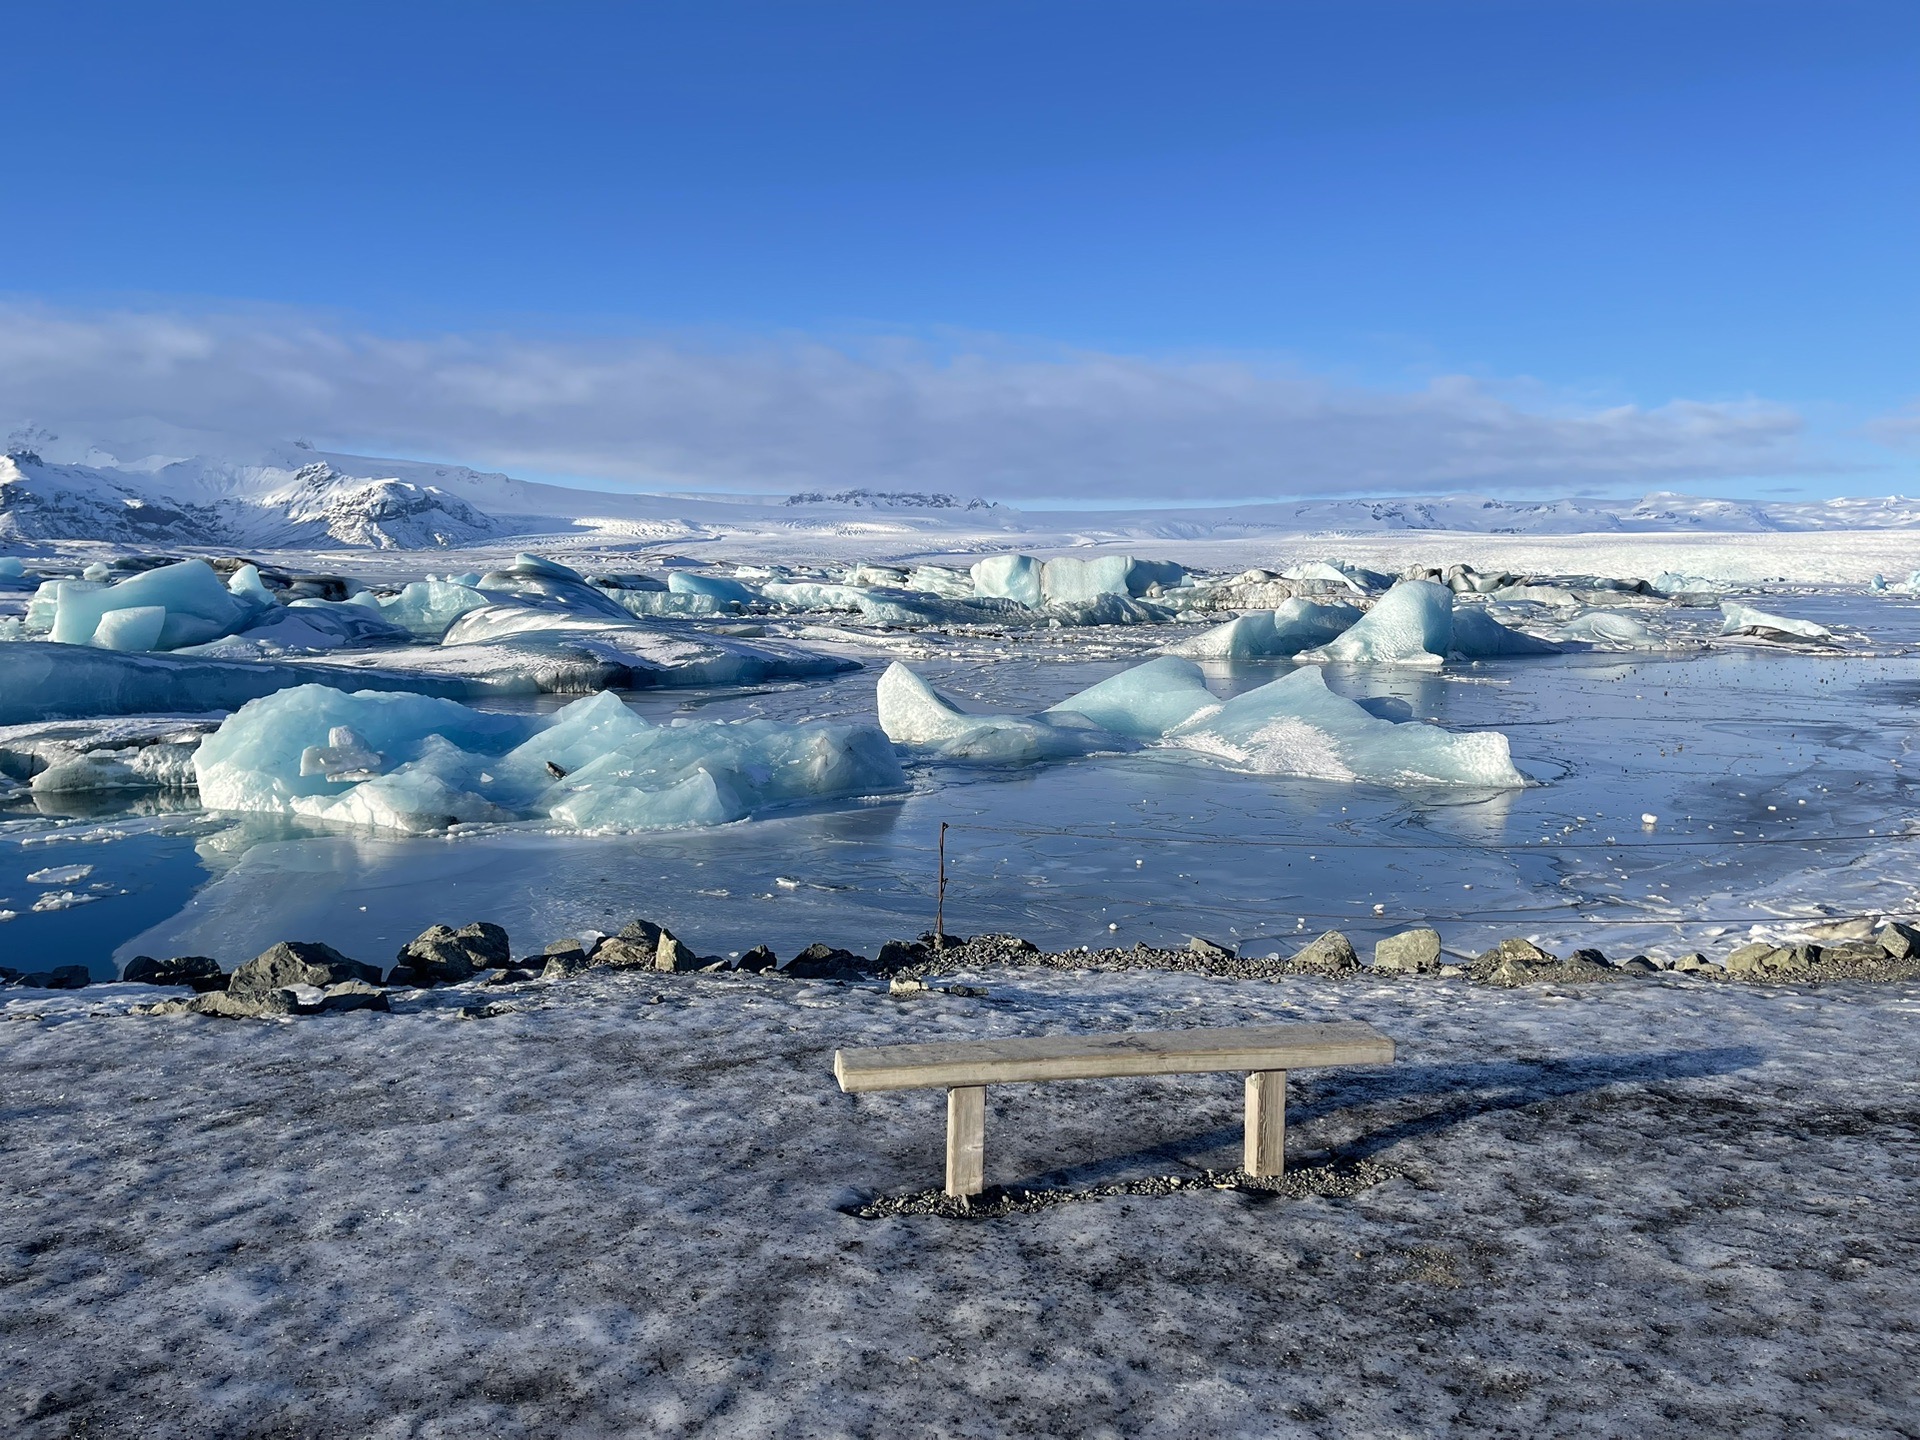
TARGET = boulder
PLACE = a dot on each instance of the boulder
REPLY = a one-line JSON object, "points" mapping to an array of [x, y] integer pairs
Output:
{"points": [[674, 955], [624, 954], [1853, 952], [641, 932], [1411, 952], [758, 961], [1639, 965], [824, 962], [298, 962], [1899, 940], [1750, 959], [228, 1005], [562, 963], [10, 976], [1208, 949], [61, 977], [441, 955], [1512, 962], [1331, 954], [1692, 964], [200, 972], [349, 995], [900, 954]]}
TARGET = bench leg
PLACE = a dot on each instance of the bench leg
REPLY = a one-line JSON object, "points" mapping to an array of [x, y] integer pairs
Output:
{"points": [[1266, 1152], [966, 1139]]}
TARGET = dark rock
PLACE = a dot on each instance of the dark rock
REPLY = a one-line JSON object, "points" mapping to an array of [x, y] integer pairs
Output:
{"points": [[1691, 964], [758, 961], [641, 932], [901, 955], [1853, 952], [947, 941], [824, 962], [1639, 965], [298, 962], [10, 976], [227, 1005], [350, 995], [200, 972], [1512, 962], [563, 963], [402, 977], [511, 976], [1899, 940], [625, 954], [1411, 952], [1589, 958], [61, 977], [1208, 949], [1331, 954], [441, 955]]}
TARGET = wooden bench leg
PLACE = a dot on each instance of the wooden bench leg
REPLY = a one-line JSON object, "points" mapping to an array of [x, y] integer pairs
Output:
{"points": [[1266, 1152], [966, 1139]]}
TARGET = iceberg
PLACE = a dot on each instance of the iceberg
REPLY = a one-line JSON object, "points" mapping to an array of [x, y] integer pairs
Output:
{"points": [[939, 580], [1738, 619], [1478, 636], [409, 763], [64, 757], [195, 607], [715, 587], [1412, 624], [424, 609], [305, 627], [1296, 726], [1076, 581], [1009, 577], [912, 713], [548, 584], [1145, 701], [1610, 627], [813, 595], [1293, 626], [44, 681]]}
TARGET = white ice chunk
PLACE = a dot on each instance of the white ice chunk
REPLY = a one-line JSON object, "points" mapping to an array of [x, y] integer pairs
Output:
{"points": [[714, 587], [913, 713], [1610, 627], [1296, 726], [1294, 626], [198, 606], [1412, 624], [1738, 619], [345, 756], [1146, 701], [814, 595], [1074, 580], [137, 627], [425, 608], [1009, 577], [247, 584]]}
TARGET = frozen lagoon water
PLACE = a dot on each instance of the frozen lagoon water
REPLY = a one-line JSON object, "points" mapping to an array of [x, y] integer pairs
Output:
{"points": [[1778, 778]]}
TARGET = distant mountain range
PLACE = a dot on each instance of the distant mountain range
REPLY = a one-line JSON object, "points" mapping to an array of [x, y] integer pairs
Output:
{"points": [[294, 497]]}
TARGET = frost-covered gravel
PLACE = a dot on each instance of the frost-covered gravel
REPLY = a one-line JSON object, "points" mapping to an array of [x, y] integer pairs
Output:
{"points": [[1660, 1208]]}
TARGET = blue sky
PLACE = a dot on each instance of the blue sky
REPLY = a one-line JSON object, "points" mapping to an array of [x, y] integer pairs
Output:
{"points": [[1323, 216]]}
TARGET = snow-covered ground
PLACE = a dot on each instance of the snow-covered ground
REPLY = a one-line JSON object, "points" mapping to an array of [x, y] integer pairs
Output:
{"points": [[618, 1206]]}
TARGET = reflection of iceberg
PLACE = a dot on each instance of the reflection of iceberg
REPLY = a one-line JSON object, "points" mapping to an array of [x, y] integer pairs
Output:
{"points": [[1294, 726], [407, 762], [1741, 619]]}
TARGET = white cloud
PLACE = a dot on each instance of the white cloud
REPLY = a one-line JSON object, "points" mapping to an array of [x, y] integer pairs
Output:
{"points": [[1902, 427], [676, 413]]}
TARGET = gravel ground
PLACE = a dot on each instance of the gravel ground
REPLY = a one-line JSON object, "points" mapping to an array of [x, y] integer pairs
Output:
{"points": [[635, 1204]]}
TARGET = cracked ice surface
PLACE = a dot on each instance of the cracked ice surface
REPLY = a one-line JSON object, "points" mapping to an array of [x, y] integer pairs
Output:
{"points": [[1658, 1208]]}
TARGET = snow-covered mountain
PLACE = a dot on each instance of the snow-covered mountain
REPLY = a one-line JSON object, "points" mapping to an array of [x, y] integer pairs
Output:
{"points": [[293, 496]]}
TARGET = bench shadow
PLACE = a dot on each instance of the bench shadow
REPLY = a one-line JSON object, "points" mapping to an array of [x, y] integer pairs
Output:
{"points": [[1468, 1091]]}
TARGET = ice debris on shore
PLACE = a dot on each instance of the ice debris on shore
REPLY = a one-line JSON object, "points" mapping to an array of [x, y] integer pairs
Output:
{"points": [[412, 763], [1293, 726]]}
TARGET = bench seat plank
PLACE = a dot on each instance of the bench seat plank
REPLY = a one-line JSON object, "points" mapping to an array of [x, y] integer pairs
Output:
{"points": [[947, 1064]]}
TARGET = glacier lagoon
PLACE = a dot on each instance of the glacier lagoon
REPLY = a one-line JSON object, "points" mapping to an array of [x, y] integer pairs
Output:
{"points": [[1775, 774]]}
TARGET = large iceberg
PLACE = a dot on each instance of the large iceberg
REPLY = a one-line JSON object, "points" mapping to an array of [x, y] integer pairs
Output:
{"points": [[402, 762], [1296, 726], [1478, 636], [714, 587], [180, 604], [424, 609], [1285, 631], [1412, 624], [1009, 577], [43, 681], [1076, 581], [1144, 702]]}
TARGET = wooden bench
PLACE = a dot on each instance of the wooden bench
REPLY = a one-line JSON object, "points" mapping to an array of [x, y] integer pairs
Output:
{"points": [[964, 1070]]}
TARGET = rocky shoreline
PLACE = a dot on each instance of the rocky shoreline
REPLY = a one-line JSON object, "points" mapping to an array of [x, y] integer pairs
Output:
{"points": [[300, 978]]}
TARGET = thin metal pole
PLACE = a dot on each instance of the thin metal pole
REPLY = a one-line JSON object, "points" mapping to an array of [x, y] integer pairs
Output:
{"points": [[940, 902]]}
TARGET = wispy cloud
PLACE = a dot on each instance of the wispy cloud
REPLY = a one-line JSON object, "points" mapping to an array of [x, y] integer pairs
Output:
{"points": [[1902, 427], [679, 413]]}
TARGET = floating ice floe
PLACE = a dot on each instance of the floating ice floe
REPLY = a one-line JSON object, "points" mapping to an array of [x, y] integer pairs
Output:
{"points": [[1412, 624], [1741, 619], [410, 763], [62, 757], [1294, 726]]}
